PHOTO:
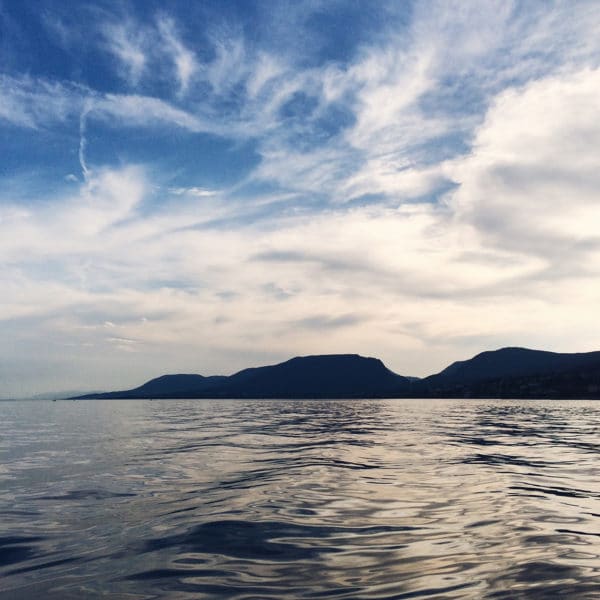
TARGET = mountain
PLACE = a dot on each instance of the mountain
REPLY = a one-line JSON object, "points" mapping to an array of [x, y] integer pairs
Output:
{"points": [[326, 376], [504, 373], [518, 373], [166, 386]]}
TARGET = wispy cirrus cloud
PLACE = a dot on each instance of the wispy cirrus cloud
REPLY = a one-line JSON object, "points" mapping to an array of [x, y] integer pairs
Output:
{"points": [[183, 58], [33, 102], [193, 191], [29, 102], [156, 45], [130, 46]]}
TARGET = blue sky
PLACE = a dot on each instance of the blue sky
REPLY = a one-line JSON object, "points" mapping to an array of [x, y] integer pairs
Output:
{"points": [[201, 187]]}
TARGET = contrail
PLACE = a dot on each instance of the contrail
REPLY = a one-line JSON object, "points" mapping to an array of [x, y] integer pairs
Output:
{"points": [[87, 107]]}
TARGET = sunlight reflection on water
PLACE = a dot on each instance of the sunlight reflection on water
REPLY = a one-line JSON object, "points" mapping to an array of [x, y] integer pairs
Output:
{"points": [[300, 499]]}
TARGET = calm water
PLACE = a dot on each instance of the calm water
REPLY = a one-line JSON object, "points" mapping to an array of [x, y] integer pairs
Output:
{"points": [[299, 499]]}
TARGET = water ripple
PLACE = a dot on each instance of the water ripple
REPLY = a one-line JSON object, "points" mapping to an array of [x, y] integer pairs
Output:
{"points": [[294, 499]]}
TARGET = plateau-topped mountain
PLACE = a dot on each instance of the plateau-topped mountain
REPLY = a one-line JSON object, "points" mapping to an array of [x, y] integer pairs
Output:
{"points": [[504, 373], [327, 376]]}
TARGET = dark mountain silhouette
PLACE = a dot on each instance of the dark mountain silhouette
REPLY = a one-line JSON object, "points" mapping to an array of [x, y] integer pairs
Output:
{"points": [[342, 375], [518, 373], [504, 373], [179, 386], [511, 362], [327, 376]]}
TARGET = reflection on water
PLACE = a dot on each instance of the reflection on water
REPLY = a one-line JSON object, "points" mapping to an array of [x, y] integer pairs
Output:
{"points": [[300, 499]]}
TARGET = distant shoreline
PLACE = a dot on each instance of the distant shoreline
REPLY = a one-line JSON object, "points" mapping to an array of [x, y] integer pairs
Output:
{"points": [[507, 373]]}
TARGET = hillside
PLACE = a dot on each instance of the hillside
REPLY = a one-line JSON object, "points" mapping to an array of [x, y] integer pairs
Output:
{"points": [[325, 376], [503, 373]]}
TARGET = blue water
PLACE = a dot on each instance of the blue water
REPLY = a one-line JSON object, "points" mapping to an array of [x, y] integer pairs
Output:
{"points": [[299, 499]]}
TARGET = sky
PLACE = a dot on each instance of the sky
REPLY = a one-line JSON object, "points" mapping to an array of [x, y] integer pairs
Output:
{"points": [[199, 187]]}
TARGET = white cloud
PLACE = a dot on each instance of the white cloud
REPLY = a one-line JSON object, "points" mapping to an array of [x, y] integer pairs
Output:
{"points": [[391, 281], [140, 111], [34, 103], [435, 80], [266, 69], [128, 44], [183, 58], [229, 66], [28, 102], [192, 191], [531, 181], [77, 225]]}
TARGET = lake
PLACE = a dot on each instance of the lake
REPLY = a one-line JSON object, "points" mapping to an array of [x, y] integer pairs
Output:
{"points": [[251, 499]]}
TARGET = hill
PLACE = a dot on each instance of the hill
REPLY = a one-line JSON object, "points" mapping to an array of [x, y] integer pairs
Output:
{"points": [[518, 373], [325, 376], [503, 373]]}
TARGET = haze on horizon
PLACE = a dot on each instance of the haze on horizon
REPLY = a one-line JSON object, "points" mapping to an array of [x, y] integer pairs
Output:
{"points": [[203, 187]]}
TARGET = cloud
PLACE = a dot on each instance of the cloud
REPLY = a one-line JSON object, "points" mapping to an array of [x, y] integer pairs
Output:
{"points": [[183, 58], [74, 225], [418, 96], [530, 183], [143, 111], [27, 102], [230, 66], [93, 259], [327, 322], [35, 103], [267, 69], [87, 107], [128, 43], [141, 47], [193, 191]]}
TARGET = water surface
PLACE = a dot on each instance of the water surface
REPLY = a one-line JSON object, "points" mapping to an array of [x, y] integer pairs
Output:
{"points": [[300, 499]]}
